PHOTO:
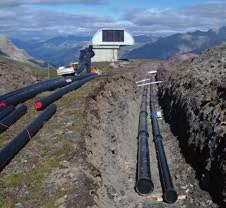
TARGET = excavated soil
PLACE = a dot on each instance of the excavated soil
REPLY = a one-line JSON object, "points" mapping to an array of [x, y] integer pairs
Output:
{"points": [[193, 99], [111, 148]]}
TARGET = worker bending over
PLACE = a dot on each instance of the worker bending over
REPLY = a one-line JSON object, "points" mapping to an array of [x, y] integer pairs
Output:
{"points": [[85, 60]]}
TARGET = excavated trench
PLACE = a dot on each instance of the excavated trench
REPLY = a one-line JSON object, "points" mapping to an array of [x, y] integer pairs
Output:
{"points": [[110, 152], [201, 146], [194, 107]]}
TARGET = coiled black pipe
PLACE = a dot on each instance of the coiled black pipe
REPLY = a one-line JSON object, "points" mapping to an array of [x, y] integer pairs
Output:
{"points": [[45, 101], [144, 184], [169, 192], [12, 148], [10, 119], [6, 111], [30, 91]]}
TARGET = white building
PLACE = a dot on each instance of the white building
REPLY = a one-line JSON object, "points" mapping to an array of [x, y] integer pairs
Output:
{"points": [[107, 42]]}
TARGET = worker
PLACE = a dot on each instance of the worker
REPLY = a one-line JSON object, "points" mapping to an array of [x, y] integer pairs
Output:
{"points": [[85, 60]]}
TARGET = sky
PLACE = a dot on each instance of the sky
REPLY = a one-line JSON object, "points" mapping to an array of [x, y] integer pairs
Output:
{"points": [[48, 18]]}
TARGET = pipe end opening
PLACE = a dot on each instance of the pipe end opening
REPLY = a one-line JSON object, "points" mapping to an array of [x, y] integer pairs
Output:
{"points": [[38, 105], [170, 196], [2, 104], [144, 186]]}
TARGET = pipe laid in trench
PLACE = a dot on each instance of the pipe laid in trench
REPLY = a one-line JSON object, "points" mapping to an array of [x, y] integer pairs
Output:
{"points": [[144, 184], [45, 101], [169, 192], [6, 111], [12, 148], [11, 118], [35, 89]]}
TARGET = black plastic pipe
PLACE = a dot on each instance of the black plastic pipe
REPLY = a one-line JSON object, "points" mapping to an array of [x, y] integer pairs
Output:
{"points": [[12, 148], [144, 184], [11, 118], [14, 92], [33, 90], [6, 111], [45, 101], [2, 108], [169, 192]]}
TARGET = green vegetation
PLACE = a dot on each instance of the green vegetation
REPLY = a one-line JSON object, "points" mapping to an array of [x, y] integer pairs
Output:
{"points": [[52, 145]]}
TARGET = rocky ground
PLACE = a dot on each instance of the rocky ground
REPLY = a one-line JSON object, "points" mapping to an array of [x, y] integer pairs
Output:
{"points": [[85, 156]]}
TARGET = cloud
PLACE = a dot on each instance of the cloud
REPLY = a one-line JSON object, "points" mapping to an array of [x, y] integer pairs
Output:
{"points": [[9, 3], [200, 16], [24, 21]]}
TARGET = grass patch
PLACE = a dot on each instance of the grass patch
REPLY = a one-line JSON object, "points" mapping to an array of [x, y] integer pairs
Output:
{"points": [[32, 180], [55, 142], [51, 202], [64, 150]]}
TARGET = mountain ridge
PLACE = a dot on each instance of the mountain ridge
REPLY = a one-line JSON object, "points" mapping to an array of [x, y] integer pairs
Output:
{"points": [[61, 50], [167, 47], [11, 51]]}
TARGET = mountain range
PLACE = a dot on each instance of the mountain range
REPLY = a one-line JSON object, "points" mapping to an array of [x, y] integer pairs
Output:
{"points": [[17, 67], [167, 47], [61, 50], [57, 51], [9, 50]]}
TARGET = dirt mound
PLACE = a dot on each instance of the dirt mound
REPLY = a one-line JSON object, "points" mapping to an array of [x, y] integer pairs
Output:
{"points": [[111, 142], [193, 99]]}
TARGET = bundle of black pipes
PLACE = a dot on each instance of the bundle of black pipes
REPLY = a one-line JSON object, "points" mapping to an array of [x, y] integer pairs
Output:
{"points": [[169, 192], [7, 110], [26, 93], [14, 92], [11, 149], [45, 101], [144, 184], [11, 118]]}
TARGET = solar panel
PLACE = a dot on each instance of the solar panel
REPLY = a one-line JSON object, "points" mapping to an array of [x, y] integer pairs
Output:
{"points": [[113, 36]]}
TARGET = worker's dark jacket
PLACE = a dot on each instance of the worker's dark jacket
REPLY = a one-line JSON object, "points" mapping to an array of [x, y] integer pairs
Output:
{"points": [[85, 60]]}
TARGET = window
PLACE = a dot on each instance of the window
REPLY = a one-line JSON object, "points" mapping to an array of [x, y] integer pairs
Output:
{"points": [[113, 36]]}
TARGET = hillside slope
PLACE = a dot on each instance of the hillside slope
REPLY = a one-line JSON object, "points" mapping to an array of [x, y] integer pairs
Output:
{"points": [[15, 74], [59, 50], [193, 99], [8, 49]]}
